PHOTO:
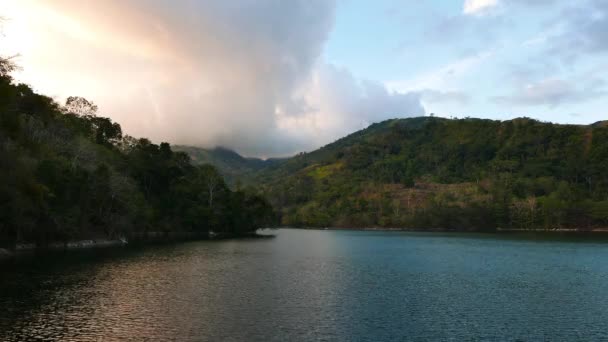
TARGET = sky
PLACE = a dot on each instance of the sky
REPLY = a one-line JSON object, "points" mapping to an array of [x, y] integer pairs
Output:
{"points": [[276, 77]]}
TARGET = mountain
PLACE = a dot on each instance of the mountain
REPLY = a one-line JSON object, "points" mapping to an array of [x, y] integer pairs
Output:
{"points": [[234, 167], [436, 173]]}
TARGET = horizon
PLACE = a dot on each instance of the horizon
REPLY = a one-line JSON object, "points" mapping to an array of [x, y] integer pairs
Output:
{"points": [[284, 78]]}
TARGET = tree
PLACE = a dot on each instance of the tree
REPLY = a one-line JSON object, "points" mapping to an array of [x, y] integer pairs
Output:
{"points": [[105, 131], [80, 106], [599, 212], [7, 66], [213, 181]]}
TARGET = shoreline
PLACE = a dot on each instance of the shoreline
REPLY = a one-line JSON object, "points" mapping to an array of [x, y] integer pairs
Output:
{"points": [[441, 230], [150, 238], [134, 239], [30, 248]]}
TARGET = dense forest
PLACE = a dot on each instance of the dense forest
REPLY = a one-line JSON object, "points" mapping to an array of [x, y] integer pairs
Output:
{"points": [[70, 174], [435, 173], [468, 174]]}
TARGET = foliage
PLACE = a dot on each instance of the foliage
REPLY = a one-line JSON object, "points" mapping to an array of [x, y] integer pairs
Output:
{"points": [[434, 173], [234, 167], [68, 174]]}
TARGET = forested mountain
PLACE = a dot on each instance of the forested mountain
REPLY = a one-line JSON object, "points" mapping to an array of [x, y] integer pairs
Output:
{"points": [[234, 167], [434, 173], [452, 174], [70, 174]]}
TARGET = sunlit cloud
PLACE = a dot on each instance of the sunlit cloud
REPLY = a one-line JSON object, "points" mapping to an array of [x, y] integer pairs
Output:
{"points": [[244, 74]]}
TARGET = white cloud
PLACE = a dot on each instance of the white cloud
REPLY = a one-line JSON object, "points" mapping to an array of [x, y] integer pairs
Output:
{"points": [[479, 7], [243, 74], [338, 103]]}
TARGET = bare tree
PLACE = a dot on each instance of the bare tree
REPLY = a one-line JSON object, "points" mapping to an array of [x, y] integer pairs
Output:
{"points": [[212, 181]]}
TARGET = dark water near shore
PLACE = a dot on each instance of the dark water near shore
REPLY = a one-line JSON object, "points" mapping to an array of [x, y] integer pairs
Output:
{"points": [[315, 286]]}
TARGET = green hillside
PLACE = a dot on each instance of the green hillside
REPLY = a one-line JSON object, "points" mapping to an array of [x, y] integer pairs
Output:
{"points": [[434, 173], [451, 174]]}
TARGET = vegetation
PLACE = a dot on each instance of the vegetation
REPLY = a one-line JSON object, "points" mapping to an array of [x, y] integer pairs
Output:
{"points": [[234, 167], [70, 174], [434, 173]]}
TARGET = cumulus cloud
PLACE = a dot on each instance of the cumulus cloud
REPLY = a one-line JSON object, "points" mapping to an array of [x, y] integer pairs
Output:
{"points": [[339, 103], [244, 74], [479, 7]]}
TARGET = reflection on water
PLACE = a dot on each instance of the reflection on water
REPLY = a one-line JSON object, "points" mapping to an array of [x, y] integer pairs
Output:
{"points": [[315, 285]]}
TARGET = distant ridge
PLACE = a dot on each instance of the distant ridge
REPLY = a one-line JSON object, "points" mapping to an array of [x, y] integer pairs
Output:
{"points": [[234, 167]]}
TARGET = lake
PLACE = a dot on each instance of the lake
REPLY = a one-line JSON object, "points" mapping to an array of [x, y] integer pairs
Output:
{"points": [[315, 286]]}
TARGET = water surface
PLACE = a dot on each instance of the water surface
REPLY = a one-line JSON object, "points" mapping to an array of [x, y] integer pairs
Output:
{"points": [[315, 286]]}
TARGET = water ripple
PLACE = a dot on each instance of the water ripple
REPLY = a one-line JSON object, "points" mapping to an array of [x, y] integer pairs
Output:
{"points": [[314, 286]]}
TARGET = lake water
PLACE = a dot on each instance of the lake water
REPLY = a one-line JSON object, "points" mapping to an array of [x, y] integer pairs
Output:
{"points": [[315, 286]]}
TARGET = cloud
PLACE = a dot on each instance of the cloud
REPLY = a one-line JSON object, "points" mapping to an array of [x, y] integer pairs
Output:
{"points": [[576, 37], [483, 7], [483, 21], [243, 74], [339, 103], [470, 30], [479, 7], [584, 31], [553, 92]]}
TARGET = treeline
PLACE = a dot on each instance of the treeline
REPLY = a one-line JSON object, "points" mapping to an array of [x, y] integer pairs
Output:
{"points": [[70, 174], [433, 173]]}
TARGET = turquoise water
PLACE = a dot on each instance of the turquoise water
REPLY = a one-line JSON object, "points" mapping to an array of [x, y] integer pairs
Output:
{"points": [[316, 286]]}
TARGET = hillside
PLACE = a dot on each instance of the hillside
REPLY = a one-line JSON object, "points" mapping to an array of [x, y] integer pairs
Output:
{"points": [[68, 174], [451, 174], [434, 173], [234, 167]]}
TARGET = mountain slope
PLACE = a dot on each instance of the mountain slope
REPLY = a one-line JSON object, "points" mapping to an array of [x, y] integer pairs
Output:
{"points": [[454, 174], [434, 173], [234, 167]]}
